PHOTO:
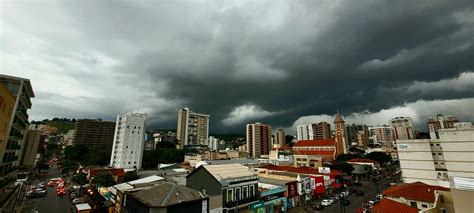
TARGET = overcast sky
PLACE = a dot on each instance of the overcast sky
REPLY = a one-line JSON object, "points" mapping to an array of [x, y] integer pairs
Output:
{"points": [[279, 62]]}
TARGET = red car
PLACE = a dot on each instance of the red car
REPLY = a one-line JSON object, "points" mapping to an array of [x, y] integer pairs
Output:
{"points": [[51, 184]]}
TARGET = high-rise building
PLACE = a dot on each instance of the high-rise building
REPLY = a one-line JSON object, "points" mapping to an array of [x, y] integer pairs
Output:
{"points": [[320, 131], [402, 128], [302, 132], [15, 95], [127, 151], [341, 145], [213, 143], [259, 138], [434, 161], [440, 122], [279, 139], [30, 147], [193, 128], [357, 134], [94, 133], [381, 135]]}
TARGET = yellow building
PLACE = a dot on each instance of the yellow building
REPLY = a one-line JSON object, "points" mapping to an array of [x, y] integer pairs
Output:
{"points": [[7, 102]]}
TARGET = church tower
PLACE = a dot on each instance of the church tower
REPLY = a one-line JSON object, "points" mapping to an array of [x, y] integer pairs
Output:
{"points": [[341, 145]]}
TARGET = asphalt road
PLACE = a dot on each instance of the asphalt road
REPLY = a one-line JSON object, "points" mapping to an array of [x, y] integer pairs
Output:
{"points": [[369, 193], [51, 203]]}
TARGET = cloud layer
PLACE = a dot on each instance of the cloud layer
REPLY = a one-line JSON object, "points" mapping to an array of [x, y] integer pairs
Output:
{"points": [[274, 61]]}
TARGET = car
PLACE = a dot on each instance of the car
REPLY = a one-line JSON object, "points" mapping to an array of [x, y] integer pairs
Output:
{"points": [[76, 201], [345, 193], [36, 193], [379, 196], [326, 202], [51, 183], [360, 193], [393, 184]]}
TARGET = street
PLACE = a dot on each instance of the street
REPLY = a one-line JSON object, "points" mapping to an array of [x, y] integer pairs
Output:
{"points": [[368, 188], [51, 203]]}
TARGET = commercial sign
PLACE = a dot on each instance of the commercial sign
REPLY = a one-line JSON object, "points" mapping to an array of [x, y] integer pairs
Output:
{"points": [[402, 146], [324, 170], [307, 185], [319, 185], [273, 196], [292, 189]]}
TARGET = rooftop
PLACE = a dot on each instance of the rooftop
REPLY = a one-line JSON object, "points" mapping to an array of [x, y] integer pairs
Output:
{"points": [[414, 191], [390, 206], [299, 170], [300, 143], [228, 171], [166, 194], [311, 152]]}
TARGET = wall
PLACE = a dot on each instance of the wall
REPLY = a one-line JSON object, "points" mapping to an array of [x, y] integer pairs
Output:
{"points": [[200, 179], [462, 200]]}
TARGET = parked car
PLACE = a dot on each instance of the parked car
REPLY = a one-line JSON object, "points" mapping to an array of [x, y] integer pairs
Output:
{"points": [[36, 193], [76, 201], [360, 193], [51, 183], [345, 193], [326, 202], [379, 196]]}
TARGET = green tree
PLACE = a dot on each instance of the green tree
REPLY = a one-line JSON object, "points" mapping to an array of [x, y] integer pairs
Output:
{"points": [[345, 157], [96, 157], [344, 167], [130, 176], [104, 179], [42, 165], [68, 166], [80, 178], [76, 152], [379, 157], [166, 145]]}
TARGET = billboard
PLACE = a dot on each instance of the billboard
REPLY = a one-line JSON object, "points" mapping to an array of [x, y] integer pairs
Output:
{"points": [[324, 170], [319, 185]]}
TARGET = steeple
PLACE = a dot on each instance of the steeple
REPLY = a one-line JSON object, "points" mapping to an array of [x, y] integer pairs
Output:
{"points": [[338, 118]]}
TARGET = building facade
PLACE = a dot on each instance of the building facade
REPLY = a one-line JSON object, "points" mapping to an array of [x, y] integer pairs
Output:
{"points": [[433, 161], [127, 151], [402, 128], [302, 132], [94, 133], [440, 122], [340, 138], [320, 131], [259, 137], [381, 135], [15, 95], [193, 128], [279, 139], [30, 148], [357, 134]]}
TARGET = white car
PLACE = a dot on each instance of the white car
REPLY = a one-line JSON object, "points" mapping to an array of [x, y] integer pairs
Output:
{"points": [[345, 193], [326, 202]]}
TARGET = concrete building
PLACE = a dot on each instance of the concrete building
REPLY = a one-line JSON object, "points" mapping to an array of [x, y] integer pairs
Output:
{"points": [[381, 135], [258, 139], [230, 187], [357, 134], [320, 131], [440, 122], [462, 190], [302, 132], [30, 148], [279, 139], [341, 143], [433, 161], [69, 137], [213, 143], [15, 95], [313, 153], [127, 151], [193, 128], [94, 133], [402, 128]]}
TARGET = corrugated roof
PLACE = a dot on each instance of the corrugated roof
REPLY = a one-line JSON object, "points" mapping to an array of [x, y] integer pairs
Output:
{"points": [[166, 194], [149, 179], [414, 191], [390, 206], [310, 152], [228, 171]]}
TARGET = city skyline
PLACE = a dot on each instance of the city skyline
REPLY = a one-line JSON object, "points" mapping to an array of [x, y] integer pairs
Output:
{"points": [[283, 64]]}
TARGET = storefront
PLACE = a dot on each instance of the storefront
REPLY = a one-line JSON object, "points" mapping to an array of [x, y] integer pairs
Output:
{"points": [[275, 200], [292, 194]]}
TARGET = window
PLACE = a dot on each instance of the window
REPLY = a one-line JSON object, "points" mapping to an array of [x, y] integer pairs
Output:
{"points": [[431, 144], [433, 153], [437, 144], [413, 204], [237, 193], [251, 191], [436, 163], [424, 206], [229, 195], [440, 153], [245, 192]]}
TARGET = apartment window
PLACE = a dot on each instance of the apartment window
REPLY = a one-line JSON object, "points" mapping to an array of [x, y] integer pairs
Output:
{"points": [[245, 192], [229, 195], [128, 127], [133, 132], [237, 193], [129, 162], [437, 144], [413, 204], [436, 163], [439, 153], [431, 144], [251, 191], [424, 206]]}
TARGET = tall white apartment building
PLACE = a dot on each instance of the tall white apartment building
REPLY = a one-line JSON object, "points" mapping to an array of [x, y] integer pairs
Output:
{"points": [[402, 128], [303, 132], [127, 150], [279, 139], [193, 128], [213, 143], [434, 161]]}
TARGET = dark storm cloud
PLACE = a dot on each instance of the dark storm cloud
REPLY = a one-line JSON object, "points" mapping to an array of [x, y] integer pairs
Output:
{"points": [[271, 61]]}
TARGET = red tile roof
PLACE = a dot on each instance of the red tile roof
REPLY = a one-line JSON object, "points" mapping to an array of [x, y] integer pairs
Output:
{"points": [[115, 171], [308, 152], [300, 170], [390, 206], [329, 142], [414, 191], [362, 160]]}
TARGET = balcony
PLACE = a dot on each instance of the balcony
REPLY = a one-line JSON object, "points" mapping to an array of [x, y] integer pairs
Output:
{"points": [[240, 202], [26, 100], [22, 114], [13, 146], [10, 159]]}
